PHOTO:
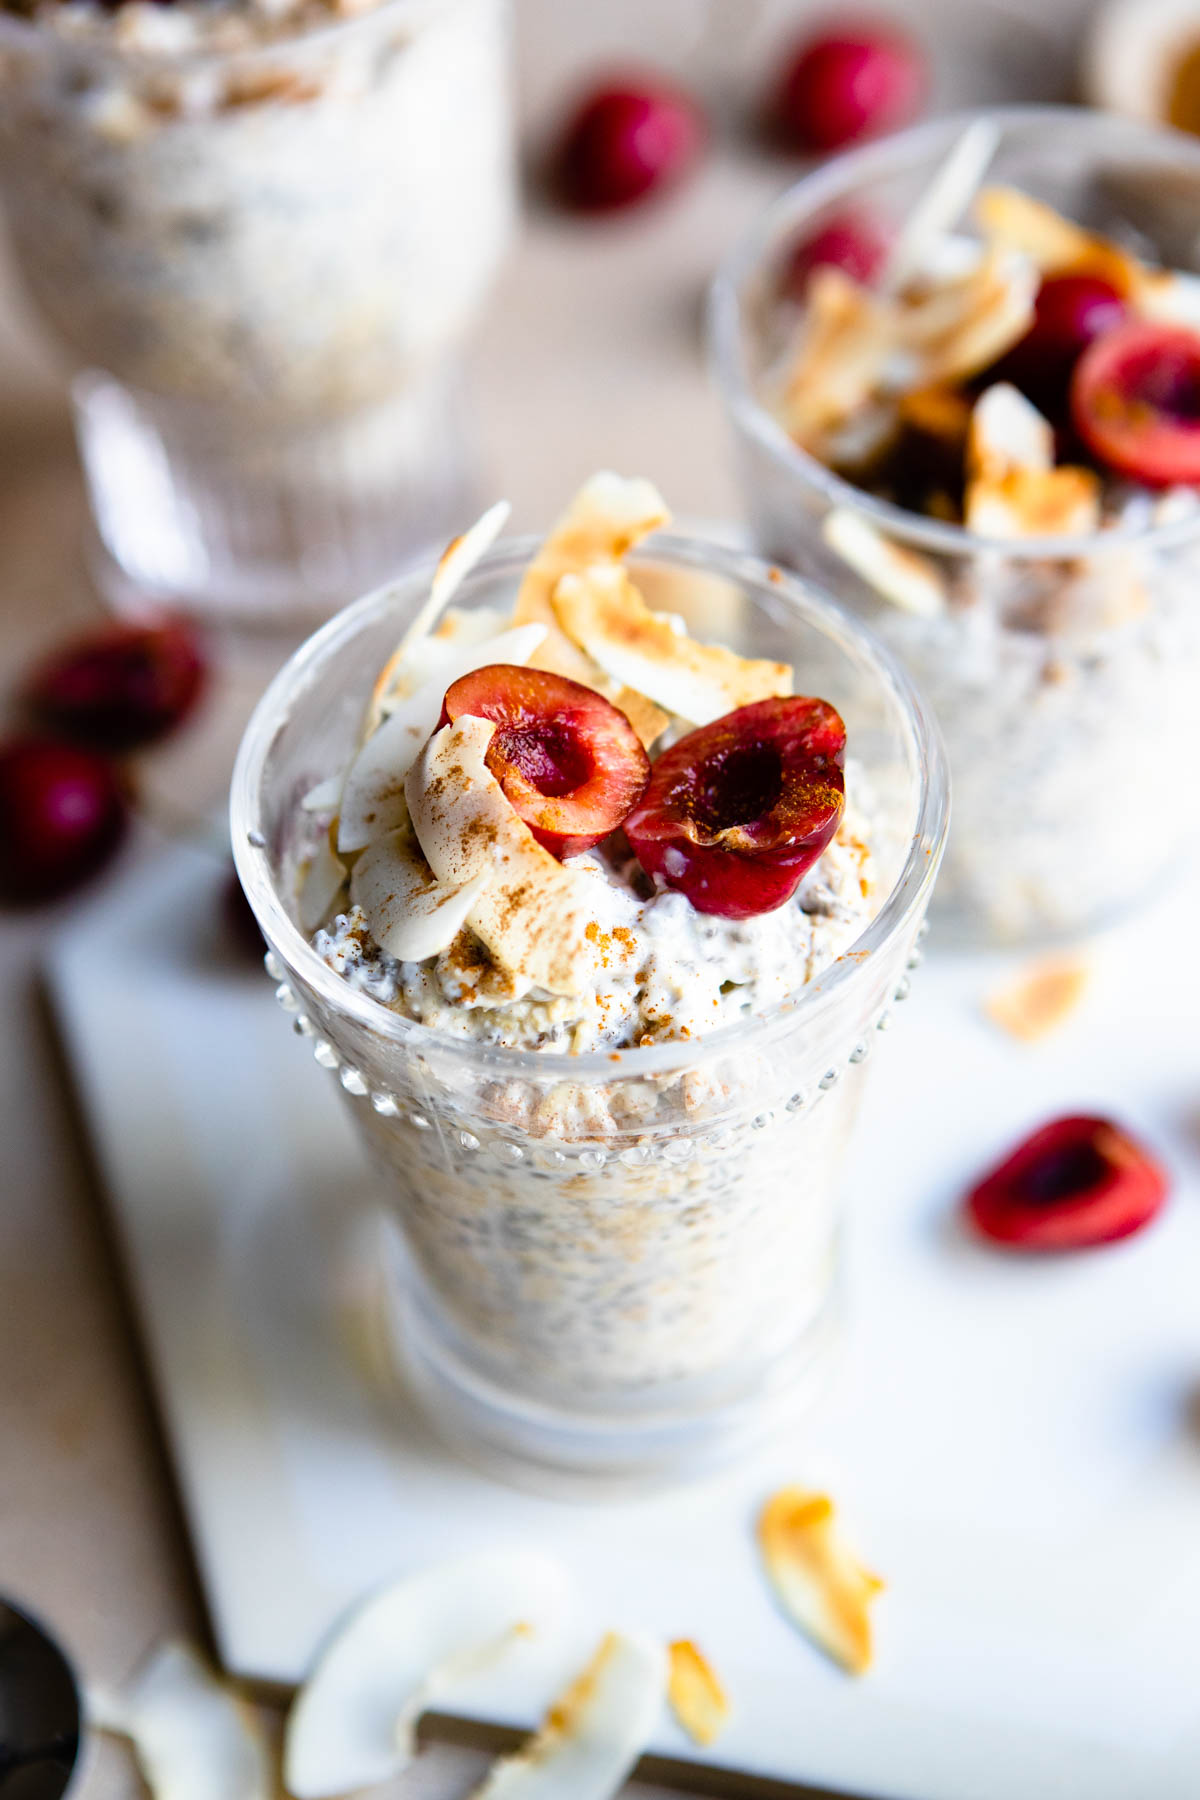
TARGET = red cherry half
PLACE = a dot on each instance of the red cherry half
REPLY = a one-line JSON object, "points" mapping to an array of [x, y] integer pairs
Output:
{"points": [[851, 242], [1135, 402], [62, 814], [625, 142], [848, 83], [567, 758], [1076, 1182], [738, 811], [122, 686]]}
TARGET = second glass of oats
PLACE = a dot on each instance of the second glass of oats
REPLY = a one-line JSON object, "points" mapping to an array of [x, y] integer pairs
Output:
{"points": [[616, 1264], [260, 233], [1050, 616]]}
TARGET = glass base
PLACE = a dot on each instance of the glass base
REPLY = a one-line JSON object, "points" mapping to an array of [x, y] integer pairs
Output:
{"points": [[698, 1431], [246, 522]]}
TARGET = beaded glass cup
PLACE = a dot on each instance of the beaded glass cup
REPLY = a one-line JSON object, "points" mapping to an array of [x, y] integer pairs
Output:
{"points": [[1061, 670], [618, 1265]]}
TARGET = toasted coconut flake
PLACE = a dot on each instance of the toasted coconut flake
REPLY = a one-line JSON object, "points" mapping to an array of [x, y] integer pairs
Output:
{"points": [[1032, 503], [942, 205], [819, 1583], [411, 913], [606, 519], [1040, 999], [324, 797], [193, 1737], [697, 1698], [535, 912], [404, 1649], [373, 793], [904, 577], [1007, 432], [1014, 221], [457, 560], [602, 612], [593, 1735], [323, 880]]}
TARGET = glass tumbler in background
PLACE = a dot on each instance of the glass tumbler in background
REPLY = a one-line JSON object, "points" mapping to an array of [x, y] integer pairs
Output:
{"points": [[1063, 672], [623, 1266], [261, 262]]}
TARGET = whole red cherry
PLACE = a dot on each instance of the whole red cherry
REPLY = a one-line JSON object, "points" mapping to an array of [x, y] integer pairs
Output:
{"points": [[62, 814], [121, 686], [1078, 1181], [852, 242], [846, 83], [569, 760], [1135, 402], [625, 141], [737, 812]]}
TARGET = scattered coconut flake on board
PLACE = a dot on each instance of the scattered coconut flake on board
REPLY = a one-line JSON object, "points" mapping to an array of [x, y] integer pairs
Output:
{"points": [[193, 1737], [602, 612], [904, 577], [457, 560], [373, 792], [411, 913], [1040, 999], [594, 1733], [820, 1584], [353, 1722], [697, 1698]]}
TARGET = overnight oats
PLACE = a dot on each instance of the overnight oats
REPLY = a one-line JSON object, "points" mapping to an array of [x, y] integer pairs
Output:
{"points": [[592, 869], [260, 230], [965, 382]]}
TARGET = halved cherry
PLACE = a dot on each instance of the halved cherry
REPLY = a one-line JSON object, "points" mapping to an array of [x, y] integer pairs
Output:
{"points": [[567, 758], [738, 811], [122, 685], [1076, 1182], [1135, 401]]}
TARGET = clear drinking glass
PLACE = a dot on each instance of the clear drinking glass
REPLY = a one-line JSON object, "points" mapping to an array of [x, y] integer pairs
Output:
{"points": [[620, 1265], [261, 262], [1063, 672]]}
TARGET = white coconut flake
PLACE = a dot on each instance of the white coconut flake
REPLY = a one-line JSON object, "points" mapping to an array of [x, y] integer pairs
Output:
{"points": [[412, 915], [322, 882], [942, 205], [594, 1734], [902, 576], [193, 1738], [406, 1647]]}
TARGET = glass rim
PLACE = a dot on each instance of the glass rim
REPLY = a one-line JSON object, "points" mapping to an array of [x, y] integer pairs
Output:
{"points": [[846, 976], [836, 180], [30, 32]]}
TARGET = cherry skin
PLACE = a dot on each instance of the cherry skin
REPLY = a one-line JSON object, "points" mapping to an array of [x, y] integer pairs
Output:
{"points": [[737, 812], [1071, 312], [122, 686], [569, 761], [625, 142], [62, 814], [848, 83], [1135, 402], [851, 242], [1078, 1181]]}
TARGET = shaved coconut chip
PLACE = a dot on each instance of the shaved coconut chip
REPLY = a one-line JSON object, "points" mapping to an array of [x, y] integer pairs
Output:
{"points": [[1014, 221], [964, 326], [321, 883], [353, 1722], [1007, 432], [324, 797], [904, 577], [607, 517], [593, 1735], [373, 792], [697, 1698], [820, 1584], [457, 560], [942, 205], [193, 1738], [602, 611], [411, 913], [535, 912], [1039, 1000]]}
